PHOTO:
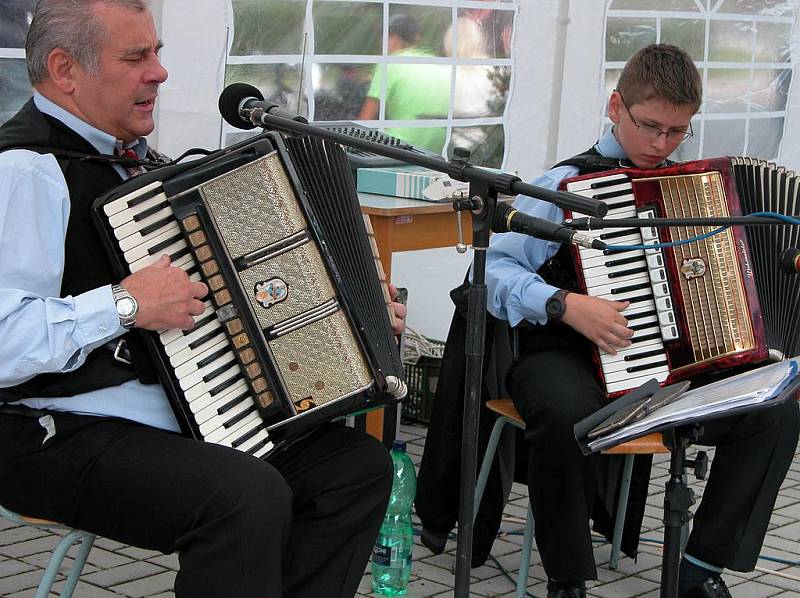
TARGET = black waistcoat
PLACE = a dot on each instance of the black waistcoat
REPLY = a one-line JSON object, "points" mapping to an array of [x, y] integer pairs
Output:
{"points": [[86, 264]]}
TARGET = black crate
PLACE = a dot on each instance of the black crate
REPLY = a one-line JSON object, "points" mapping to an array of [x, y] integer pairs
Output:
{"points": [[421, 379]]}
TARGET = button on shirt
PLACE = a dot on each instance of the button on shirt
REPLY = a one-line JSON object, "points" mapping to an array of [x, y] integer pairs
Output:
{"points": [[40, 331], [515, 291]]}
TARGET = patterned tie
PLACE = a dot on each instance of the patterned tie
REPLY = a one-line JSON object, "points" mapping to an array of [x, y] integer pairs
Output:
{"points": [[129, 153]]}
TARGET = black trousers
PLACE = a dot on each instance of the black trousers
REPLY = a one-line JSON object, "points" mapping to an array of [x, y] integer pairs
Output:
{"points": [[302, 524], [554, 388]]}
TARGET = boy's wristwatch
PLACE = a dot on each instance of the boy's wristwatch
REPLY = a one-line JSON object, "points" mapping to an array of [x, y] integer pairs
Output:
{"points": [[127, 307], [556, 305]]}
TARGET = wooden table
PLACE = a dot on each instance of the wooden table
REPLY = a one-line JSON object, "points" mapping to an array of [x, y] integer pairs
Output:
{"points": [[405, 225]]}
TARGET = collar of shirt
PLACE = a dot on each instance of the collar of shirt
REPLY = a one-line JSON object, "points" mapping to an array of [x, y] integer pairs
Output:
{"points": [[102, 141], [609, 147]]}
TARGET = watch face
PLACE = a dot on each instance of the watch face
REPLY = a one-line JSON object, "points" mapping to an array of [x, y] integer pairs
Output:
{"points": [[126, 307]]}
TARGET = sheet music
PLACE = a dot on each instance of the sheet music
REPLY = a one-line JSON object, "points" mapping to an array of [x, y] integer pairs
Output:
{"points": [[748, 388]]}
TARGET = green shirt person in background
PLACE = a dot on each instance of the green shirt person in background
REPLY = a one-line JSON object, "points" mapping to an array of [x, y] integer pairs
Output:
{"points": [[413, 91]]}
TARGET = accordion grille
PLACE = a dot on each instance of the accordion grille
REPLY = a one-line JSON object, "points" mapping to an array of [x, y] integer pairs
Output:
{"points": [[709, 273]]}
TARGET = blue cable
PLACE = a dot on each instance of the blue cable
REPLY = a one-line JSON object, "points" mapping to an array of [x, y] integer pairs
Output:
{"points": [[777, 216]]}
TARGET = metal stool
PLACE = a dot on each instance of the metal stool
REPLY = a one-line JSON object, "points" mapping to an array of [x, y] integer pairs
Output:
{"points": [[507, 414], [73, 536]]}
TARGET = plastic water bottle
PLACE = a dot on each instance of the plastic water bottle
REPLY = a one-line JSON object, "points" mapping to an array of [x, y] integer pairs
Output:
{"points": [[391, 555]]}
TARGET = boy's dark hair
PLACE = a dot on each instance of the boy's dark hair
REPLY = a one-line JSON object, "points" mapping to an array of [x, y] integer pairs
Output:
{"points": [[661, 71], [405, 26]]}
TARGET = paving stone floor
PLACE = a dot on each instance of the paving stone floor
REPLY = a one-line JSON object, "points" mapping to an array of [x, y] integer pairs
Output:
{"points": [[114, 569]]}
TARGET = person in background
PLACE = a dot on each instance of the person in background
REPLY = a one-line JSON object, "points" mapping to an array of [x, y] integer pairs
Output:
{"points": [[553, 384], [90, 441], [413, 91]]}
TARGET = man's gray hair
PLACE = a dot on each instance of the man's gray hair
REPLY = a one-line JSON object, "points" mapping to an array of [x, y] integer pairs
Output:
{"points": [[72, 26]]}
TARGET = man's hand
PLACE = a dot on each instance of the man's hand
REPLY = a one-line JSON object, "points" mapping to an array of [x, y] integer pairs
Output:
{"points": [[399, 311], [599, 320], [166, 296]]}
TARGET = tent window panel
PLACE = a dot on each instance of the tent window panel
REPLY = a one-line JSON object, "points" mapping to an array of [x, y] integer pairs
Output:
{"points": [[625, 36], [689, 150], [662, 5], [339, 90], [688, 34], [15, 88], [484, 34], [348, 28], [278, 30], [764, 137], [485, 142], [730, 41], [481, 90], [770, 90], [775, 8], [279, 82], [726, 90], [724, 137], [773, 42], [424, 28]]}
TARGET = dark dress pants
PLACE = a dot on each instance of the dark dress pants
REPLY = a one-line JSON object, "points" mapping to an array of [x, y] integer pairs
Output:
{"points": [[302, 524], [554, 388]]}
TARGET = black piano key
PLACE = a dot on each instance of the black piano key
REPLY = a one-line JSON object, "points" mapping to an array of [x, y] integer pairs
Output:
{"points": [[178, 254], [219, 371], [640, 315], [246, 436], [212, 356], [624, 260], [150, 228], [631, 287], [200, 323], [646, 366], [621, 273], [143, 197], [643, 355], [224, 385], [165, 243], [612, 194], [204, 339], [619, 233], [150, 211], [646, 337], [608, 183], [639, 298], [636, 327], [239, 417], [233, 402], [258, 446]]}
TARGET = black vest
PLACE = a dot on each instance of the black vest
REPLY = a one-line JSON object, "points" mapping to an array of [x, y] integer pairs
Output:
{"points": [[559, 271], [86, 265]]}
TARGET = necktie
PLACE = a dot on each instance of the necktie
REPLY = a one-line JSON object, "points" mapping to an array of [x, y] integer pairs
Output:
{"points": [[129, 153]]}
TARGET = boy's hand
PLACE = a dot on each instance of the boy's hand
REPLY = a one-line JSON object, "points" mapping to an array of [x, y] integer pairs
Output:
{"points": [[599, 320], [399, 311]]}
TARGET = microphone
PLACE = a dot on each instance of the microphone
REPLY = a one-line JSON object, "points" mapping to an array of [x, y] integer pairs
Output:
{"points": [[790, 260], [238, 100], [507, 219]]}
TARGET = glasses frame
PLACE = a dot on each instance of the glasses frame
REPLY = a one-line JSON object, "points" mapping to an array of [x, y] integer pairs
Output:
{"points": [[686, 135]]}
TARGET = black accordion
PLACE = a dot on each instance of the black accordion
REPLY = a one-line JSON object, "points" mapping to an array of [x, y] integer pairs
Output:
{"points": [[722, 302], [296, 329]]}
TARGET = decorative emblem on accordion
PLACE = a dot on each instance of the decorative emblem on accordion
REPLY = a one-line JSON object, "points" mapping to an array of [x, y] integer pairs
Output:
{"points": [[272, 291], [693, 268]]}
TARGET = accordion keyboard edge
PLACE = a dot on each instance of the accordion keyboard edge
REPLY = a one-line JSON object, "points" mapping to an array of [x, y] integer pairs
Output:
{"points": [[281, 345], [701, 307]]}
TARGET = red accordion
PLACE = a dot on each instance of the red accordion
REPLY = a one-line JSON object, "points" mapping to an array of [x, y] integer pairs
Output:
{"points": [[717, 303]]}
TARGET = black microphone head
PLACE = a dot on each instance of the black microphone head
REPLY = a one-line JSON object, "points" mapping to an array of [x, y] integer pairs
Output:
{"points": [[231, 98], [790, 260]]}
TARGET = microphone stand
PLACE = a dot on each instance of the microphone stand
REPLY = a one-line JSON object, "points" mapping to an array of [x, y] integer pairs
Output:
{"points": [[484, 188]]}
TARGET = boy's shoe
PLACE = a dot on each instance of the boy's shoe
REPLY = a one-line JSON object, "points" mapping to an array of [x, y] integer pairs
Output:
{"points": [[713, 587]]}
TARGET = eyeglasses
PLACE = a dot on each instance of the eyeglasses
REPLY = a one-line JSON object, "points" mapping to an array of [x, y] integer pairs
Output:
{"points": [[653, 133]]}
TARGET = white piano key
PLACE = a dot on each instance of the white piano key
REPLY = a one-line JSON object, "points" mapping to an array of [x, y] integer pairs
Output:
{"points": [[631, 383], [184, 355], [250, 421], [185, 261], [210, 419], [121, 203], [203, 387], [135, 240], [621, 365], [169, 336], [142, 250], [134, 227], [190, 373], [200, 401]]}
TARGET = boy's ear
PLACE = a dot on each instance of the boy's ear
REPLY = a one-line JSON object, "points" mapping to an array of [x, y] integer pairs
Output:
{"points": [[615, 107]]}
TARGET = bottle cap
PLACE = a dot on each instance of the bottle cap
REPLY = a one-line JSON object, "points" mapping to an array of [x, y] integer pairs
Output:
{"points": [[399, 445]]}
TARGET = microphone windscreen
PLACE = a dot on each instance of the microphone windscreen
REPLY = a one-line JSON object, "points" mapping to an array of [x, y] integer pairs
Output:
{"points": [[231, 98], [790, 260]]}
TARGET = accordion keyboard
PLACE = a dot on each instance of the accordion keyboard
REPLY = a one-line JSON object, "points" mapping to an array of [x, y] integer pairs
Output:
{"points": [[635, 276], [213, 385]]}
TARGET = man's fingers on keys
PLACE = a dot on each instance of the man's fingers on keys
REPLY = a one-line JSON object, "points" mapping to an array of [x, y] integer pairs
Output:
{"points": [[199, 289], [196, 308]]}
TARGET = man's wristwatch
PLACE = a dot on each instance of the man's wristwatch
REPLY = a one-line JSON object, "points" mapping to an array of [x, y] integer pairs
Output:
{"points": [[556, 305], [127, 307]]}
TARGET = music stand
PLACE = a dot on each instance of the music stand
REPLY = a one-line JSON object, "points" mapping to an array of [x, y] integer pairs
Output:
{"points": [[677, 435]]}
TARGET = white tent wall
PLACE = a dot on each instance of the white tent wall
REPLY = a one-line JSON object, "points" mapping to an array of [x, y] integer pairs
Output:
{"points": [[555, 109]]}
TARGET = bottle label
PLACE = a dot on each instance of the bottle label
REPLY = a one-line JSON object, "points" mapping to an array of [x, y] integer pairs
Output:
{"points": [[382, 555]]}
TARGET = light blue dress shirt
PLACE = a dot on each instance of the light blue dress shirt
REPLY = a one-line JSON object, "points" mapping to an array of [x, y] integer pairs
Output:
{"points": [[41, 332], [515, 291]]}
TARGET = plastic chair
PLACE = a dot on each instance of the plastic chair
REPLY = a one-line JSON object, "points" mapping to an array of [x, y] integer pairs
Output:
{"points": [[507, 415], [85, 540]]}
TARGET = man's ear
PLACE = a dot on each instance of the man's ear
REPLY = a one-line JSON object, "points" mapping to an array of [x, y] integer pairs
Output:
{"points": [[61, 67], [614, 107]]}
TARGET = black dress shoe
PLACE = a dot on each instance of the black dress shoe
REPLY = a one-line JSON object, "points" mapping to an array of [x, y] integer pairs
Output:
{"points": [[566, 592], [713, 587]]}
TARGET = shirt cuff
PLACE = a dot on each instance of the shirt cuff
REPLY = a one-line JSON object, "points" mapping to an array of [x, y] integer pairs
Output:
{"points": [[96, 318]]}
